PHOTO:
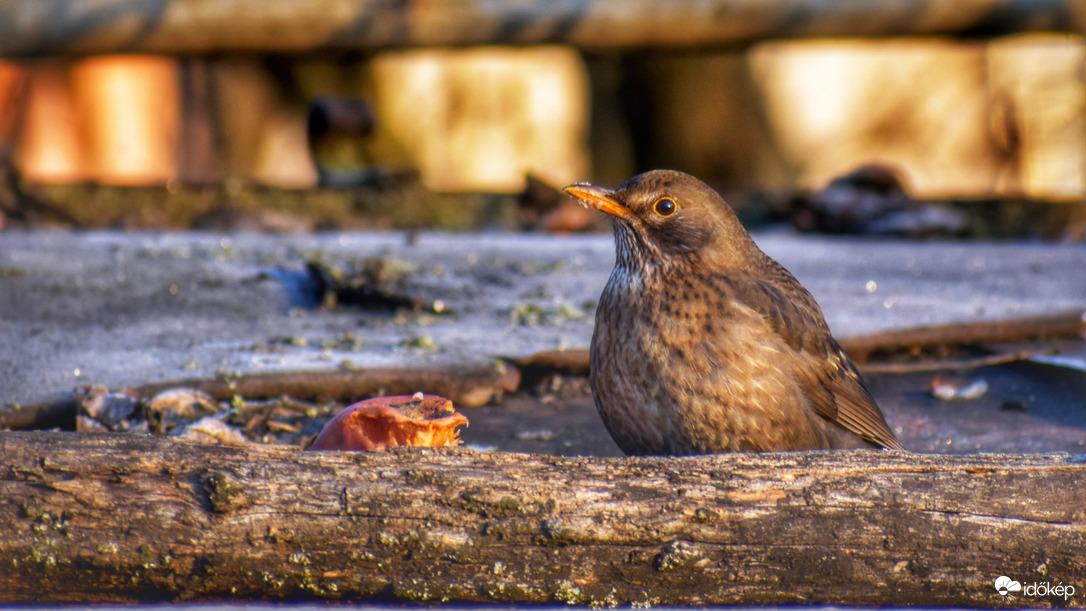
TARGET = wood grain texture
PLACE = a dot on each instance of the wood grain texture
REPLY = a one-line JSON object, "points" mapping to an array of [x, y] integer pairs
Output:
{"points": [[87, 517], [192, 26]]}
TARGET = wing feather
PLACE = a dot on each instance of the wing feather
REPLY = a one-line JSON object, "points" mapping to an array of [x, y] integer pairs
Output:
{"points": [[824, 372]]}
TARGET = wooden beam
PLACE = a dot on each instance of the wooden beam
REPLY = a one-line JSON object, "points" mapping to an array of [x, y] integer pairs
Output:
{"points": [[61, 27], [126, 517]]}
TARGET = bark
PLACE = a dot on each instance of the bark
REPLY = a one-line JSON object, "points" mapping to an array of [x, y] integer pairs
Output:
{"points": [[192, 26], [134, 518]]}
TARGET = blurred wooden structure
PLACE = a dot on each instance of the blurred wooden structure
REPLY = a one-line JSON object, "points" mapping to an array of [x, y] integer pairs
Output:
{"points": [[455, 99], [57, 27]]}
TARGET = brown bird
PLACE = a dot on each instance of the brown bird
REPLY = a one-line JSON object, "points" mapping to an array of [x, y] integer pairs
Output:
{"points": [[704, 344]]}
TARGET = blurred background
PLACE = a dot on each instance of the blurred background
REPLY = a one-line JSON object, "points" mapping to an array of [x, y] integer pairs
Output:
{"points": [[942, 103]]}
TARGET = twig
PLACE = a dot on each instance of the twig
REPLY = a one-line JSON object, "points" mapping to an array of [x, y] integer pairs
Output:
{"points": [[949, 364]]}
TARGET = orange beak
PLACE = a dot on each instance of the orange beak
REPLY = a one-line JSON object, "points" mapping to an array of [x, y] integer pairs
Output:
{"points": [[598, 198]]}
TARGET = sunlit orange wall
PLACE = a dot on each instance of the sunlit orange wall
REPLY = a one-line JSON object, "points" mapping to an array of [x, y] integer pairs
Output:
{"points": [[1007, 116], [107, 118]]}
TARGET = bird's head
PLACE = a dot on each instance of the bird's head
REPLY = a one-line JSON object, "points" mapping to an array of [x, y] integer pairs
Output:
{"points": [[664, 218]]}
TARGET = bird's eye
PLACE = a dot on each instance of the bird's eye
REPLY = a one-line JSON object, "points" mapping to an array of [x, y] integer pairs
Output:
{"points": [[665, 206]]}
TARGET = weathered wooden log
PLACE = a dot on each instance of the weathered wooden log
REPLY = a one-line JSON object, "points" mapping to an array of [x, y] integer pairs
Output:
{"points": [[54, 27], [134, 518], [470, 385]]}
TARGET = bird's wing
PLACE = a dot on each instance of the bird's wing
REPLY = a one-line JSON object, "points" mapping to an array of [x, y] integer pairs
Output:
{"points": [[826, 374]]}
